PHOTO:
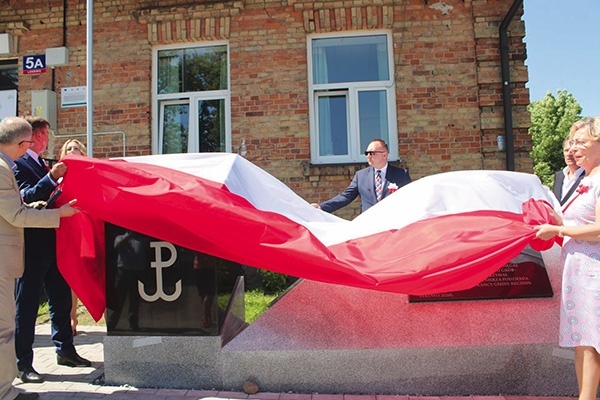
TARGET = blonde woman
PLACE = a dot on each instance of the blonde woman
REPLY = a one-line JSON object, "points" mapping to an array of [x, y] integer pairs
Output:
{"points": [[580, 227], [73, 146]]}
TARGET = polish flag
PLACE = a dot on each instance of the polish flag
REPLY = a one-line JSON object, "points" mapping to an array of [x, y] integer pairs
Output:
{"points": [[441, 233]]}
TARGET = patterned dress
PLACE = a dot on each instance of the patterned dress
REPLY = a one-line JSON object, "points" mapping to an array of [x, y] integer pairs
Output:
{"points": [[580, 303]]}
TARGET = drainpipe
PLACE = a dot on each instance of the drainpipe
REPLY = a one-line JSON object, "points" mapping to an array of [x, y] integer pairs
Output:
{"points": [[506, 99], [89, 77], [64, 44]]}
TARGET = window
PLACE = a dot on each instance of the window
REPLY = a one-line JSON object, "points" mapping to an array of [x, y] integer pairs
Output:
{"points": [[9, 74], [192, 99], [9, 83], [353, 96]]}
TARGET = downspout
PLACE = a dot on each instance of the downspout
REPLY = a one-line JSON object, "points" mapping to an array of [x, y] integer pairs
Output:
{"points": [[90, 77], [506, 98], [64, 38], [64, 44]]}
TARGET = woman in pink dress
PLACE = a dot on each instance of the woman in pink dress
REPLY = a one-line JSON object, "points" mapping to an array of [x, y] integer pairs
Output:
{"points": [[580, 227]]}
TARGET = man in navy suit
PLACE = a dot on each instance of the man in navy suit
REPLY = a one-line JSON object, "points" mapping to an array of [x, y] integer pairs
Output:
{"points": [[37, 182], [367, 181]]}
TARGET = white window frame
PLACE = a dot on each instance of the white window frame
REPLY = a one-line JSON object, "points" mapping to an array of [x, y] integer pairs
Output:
{"points": [[191, 98], [356, 154]]}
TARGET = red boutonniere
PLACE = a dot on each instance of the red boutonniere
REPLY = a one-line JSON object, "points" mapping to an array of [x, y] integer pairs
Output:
{"points": [[582, 189], [392, 187]]}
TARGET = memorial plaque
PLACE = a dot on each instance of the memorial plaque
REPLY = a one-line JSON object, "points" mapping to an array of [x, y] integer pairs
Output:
{"points": [[524, 276], [156, 288]]}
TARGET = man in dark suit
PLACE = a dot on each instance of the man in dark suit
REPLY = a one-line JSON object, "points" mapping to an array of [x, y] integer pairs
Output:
{"points": [[37, 182], [373, 183], [567, 180]]}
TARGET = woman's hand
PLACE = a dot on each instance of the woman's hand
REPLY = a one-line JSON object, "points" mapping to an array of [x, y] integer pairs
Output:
{"points": [[547, 231]]}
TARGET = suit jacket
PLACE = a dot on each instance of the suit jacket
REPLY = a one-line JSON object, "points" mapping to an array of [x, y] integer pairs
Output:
{"points": [[34, 181], [363, 185], [559, 178], [14, 216], [35, 184]]}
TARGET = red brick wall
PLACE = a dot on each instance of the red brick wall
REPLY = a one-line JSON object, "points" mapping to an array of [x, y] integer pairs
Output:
{"points": [[447, 74]]}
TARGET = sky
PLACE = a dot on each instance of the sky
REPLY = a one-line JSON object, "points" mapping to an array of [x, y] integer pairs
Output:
{"points": [[563, 50]]}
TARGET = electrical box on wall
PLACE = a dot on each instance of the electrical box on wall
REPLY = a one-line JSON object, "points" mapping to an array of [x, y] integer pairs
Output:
{"points": [[43, 104], [6, 43], [57, 56]]}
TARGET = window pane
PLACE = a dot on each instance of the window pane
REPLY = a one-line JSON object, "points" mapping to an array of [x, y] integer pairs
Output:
{"points": [[9, 74], [175, 128], [373, 117], [350, 59], [333, 125], [205, 69], [211, 125], [169, 71], [192, 70]]}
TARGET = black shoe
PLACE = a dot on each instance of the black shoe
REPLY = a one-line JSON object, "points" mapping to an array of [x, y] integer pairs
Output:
{"points": [[30, 375], [72, 360], [27, 396]]}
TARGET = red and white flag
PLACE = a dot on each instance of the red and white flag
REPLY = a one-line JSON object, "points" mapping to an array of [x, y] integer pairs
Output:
{"points": [[441, 233]]}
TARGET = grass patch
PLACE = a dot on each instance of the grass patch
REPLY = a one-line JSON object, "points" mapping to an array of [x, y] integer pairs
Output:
{"points": [[84, 318], [256, 303]]}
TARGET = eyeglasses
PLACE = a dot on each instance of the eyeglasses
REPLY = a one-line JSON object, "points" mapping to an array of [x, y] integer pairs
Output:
{"points": [[30, 142], [371, 153], [578, 143]]}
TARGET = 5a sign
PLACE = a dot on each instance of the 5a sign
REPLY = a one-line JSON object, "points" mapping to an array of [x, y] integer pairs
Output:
{"points": [[34, 64]]}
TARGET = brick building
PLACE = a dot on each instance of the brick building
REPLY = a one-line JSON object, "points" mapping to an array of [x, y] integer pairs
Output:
{"points": [[303, 85]]}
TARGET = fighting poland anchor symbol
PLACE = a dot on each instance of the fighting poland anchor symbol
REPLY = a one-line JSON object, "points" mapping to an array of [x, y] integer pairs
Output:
{"points": [[159, 264]]}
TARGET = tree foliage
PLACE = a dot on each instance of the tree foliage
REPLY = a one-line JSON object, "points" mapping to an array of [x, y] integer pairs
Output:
{"points": [[551, 120]]}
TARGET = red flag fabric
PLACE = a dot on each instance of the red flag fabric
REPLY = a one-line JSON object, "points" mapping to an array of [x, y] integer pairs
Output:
{"points": [[431, 236]]}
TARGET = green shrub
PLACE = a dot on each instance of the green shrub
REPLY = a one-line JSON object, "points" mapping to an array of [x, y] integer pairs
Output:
{"points": [[274, 283]]}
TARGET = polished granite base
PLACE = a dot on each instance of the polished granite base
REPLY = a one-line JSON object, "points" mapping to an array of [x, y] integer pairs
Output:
{"points": [[335, 339]]}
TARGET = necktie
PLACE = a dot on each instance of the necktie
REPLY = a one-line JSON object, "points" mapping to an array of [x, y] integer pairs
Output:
{"points": [[378, 185], [43, 164]]}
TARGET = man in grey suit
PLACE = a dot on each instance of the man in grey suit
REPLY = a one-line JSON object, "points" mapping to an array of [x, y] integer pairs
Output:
{"points": [[373, 183], [567, 179], [15, 139]]}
